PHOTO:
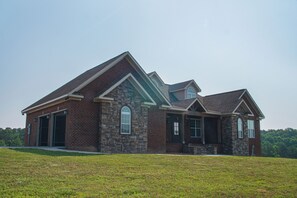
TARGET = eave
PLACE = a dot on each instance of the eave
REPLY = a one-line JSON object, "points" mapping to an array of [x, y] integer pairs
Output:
{"points": [[53, 102]]}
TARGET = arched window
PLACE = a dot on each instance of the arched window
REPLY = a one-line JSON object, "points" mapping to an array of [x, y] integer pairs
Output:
{"points": [[239, 128], [191, 93], [125, 120]]}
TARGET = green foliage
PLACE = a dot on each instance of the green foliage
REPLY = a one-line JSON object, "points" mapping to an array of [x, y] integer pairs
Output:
{"points": [[38, 173], [279, 143], [12, 137]]}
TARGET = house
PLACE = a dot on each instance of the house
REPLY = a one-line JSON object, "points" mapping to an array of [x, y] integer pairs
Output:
{"points": [[116, 107]]}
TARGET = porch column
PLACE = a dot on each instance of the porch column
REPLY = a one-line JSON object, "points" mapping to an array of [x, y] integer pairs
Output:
{"points": [[51, 129], [183, 129], [202, 130], [219, 130], [38, 131]]}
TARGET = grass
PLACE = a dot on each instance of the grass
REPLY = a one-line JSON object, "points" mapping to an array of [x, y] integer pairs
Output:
{"points": [[32, 172]]}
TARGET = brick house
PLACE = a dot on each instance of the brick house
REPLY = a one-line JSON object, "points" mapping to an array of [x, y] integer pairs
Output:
{"points": [[116, 107]]}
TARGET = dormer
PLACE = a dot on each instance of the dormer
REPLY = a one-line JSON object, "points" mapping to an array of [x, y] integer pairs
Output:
{"points": [[159, 83], [184, 90], [156, 79]]}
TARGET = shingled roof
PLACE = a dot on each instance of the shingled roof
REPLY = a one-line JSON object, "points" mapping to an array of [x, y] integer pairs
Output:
{"points": [[182, 85], [223, 102], [187, 103], [183, 103], [74, 83]]}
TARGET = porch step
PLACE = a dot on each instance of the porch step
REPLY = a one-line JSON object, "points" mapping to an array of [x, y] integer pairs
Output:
{"points": [[203, 149]]}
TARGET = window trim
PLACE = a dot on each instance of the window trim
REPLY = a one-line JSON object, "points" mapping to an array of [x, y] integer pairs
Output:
{"points": [[175, 128], [239, 128], [251, 129], [129, 119], [193, 93], [195, 128]]}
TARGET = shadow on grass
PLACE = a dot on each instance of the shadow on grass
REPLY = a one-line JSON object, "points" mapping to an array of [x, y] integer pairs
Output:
{"points": [[49, 153]]}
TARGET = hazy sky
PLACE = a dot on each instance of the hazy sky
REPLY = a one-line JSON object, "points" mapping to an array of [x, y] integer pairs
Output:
{"points": [[223, 45]]}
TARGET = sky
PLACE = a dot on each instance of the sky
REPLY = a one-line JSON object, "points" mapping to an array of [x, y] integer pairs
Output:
{"points": [[222, 45]]}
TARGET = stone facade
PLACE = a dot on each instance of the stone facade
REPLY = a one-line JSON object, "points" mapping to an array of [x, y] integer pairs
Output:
{"points": [[240, 146], [227, 135], [232, 145], [111, 140]]}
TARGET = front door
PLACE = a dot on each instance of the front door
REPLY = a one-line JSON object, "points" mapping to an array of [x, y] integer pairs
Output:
{"points": [[174, 128]]}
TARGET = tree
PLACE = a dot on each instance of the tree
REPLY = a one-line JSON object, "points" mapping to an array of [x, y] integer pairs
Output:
{"points": [[12, 137], [279, 143]]}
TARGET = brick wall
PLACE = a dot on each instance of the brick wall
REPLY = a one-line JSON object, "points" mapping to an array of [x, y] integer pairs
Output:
{"points": [[256, 142], [80, 127], [156, 130], [83, 126]]}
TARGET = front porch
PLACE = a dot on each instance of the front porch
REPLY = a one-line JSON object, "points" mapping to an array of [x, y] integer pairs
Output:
{"points": [[197, 134], [195, 149]]}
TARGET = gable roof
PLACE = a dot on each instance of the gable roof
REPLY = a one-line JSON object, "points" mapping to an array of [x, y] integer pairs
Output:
{"points": [[186, 104], [183, 85], [247, 96], [129, 77], [228, 102], [154, 73], [71, 85], [242, 107], [160, 84], [70, 88], [223, 102]]}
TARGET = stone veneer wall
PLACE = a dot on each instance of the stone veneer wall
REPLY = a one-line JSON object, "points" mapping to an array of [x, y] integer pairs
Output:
{"points": [[227, 135], [111, 140], [240, 145], [232, 145]]}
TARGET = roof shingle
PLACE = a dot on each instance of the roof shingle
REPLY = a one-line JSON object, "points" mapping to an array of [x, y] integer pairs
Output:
{"points": [[223, 102], [178, 86], [74, 83]]}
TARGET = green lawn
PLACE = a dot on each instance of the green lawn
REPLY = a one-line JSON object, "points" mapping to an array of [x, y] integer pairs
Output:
{"points": [[32, 172]]}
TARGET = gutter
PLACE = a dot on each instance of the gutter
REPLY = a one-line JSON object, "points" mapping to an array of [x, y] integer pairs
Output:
{"points": [[66, 97]]}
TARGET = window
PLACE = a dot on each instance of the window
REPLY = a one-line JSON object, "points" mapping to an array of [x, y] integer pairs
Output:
{"points": [[176, 128], [239, 128], [191, 93], [125, 120], [251, 128], [195, 128]]}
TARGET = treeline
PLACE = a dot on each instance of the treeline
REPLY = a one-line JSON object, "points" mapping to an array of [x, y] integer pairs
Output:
{"points": [[275, 143], [279, 143], [12, 137]]}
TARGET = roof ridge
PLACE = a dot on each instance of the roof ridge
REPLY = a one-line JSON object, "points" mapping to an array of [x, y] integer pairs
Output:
{"points": [[181, 82], [228, 92]]}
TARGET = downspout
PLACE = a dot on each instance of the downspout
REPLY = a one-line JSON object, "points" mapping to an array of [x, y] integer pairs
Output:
{"points": [[29, 133]]}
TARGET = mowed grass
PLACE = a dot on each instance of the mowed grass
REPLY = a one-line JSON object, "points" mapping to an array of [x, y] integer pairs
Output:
{"points": [[32, 172]]}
